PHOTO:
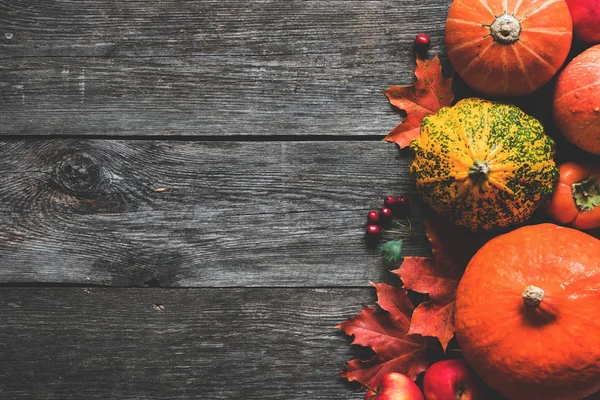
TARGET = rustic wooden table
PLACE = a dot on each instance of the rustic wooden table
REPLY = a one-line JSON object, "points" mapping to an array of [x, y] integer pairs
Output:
{"points": [[183, 189]]}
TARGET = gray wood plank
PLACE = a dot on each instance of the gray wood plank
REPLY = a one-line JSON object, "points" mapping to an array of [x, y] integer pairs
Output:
{"points": [[207, 67], [196, 214], [131, 28], [76, 343]]}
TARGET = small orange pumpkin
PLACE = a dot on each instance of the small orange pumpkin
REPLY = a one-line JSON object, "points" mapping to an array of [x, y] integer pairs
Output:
{"points": [[577, 101], [527, 313], [508, 47]]}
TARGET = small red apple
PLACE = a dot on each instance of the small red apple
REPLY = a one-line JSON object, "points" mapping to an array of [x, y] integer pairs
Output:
{"points": [[586, 19], [395, 386], [451, 380]]}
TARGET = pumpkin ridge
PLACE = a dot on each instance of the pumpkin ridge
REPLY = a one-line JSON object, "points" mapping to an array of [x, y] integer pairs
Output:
{"points": [[468, 146], [505, 61], [548, 32], [540, 8], [459, 176], [500, 185], [465, 21], [487, 6], [484, 80], [470, 42], [519, 3], [584, 87], [537, 56], [522, 67], [476, 60]]}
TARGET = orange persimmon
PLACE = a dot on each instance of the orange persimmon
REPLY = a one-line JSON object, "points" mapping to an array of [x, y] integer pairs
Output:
{"points": [[576, 199]]}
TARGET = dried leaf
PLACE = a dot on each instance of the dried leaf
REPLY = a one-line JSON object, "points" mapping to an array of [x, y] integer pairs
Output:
{"points": [[426, 96], [436, 316], [438, 277], [387, 334]]}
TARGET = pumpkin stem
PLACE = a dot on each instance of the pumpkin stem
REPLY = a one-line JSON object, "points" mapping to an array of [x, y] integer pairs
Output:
{"points": [[533, 296], [479, 170], [506, 29], [587, 194]]}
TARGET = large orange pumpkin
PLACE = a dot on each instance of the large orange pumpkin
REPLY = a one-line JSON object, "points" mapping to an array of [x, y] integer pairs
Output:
{"points": [[527, 313], [508, 47], [577, 101]]}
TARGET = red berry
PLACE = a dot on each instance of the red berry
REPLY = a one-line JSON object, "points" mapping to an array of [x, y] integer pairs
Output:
{"points": [[373, 231], [386, 214], [389, 201], [373, 217], [422, 41], [402, 206]]}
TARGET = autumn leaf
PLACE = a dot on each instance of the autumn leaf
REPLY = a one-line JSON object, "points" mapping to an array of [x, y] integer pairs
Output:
{"points": [[386, 333], [436, 316], [439, 276], [426, 96]]}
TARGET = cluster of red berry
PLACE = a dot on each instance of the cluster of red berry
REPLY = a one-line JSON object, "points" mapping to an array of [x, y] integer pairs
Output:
{"points": [[393, 207]]}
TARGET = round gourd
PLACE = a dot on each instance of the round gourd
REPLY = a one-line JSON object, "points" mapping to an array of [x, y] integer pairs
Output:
{"points": [[527, 313], [483, 164], [508, 47], [577, 101]]}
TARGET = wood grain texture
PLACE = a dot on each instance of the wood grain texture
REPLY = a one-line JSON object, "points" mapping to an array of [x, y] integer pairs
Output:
{"points": [[76, 343], [207, 67], [196, 214]]}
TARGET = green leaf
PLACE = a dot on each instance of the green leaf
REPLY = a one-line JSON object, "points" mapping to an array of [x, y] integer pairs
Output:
{"points": [[587, 194], [391, 251]]}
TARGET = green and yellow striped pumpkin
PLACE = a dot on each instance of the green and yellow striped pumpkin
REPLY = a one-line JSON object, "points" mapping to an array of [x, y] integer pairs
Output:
{"points": [[483, 165]]}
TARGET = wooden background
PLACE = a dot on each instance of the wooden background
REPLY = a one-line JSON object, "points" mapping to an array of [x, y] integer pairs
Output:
{"points": [[183, 188]]}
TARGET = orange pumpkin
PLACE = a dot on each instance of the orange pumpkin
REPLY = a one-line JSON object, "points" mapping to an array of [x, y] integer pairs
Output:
{"points": [[508, 47], [577, 101], [527, 313]]}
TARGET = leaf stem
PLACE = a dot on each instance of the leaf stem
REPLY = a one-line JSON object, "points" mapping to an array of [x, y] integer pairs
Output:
{"points": [[396, 232]]}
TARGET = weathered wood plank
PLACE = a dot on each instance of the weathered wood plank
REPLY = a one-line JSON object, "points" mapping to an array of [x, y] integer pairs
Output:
{"points": [[196, 213], [187, 96], [209, 68], [75, 343], [311, 29]]}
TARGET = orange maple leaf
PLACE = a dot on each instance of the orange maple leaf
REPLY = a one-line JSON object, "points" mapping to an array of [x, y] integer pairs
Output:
{"points": [[426, 96], [387, 334], [452, 248]]}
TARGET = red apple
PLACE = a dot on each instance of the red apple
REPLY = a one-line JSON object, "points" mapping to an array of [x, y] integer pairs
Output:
{"points": [[451, 380], [395, 386], [586, 19]]}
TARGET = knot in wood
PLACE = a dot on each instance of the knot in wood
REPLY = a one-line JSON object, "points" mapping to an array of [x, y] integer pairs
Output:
{"points": [[79, 175]]}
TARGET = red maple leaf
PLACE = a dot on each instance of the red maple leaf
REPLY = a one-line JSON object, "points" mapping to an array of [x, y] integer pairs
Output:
{"points": [[426, 96], [387, 334], [434, 317], [438, 277]]}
